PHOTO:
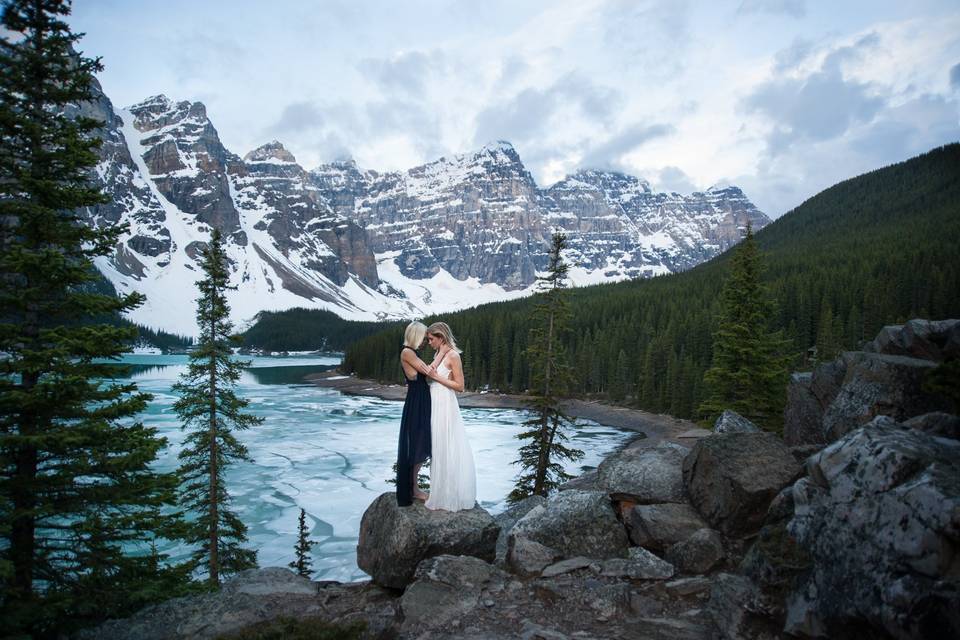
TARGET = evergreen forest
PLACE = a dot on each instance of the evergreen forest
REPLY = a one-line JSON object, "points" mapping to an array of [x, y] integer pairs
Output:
{"points": [[877, 249], [305, 330]]}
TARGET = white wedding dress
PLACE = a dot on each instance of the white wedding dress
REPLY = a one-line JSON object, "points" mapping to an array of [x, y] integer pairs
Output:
{"points": [[453, 479]]}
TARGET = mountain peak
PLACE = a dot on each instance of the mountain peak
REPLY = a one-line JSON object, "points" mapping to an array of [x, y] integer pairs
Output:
{"points": [[273, 151]]}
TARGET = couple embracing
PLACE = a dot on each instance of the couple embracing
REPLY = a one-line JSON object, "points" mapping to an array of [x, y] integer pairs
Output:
{"points": [[431, 425]]}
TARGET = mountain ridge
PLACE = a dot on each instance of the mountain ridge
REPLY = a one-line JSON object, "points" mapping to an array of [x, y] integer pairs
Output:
{"points": [[368, 245]]}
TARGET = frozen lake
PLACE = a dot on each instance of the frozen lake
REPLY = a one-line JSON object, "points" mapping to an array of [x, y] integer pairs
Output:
{"points": [[332, 455]]}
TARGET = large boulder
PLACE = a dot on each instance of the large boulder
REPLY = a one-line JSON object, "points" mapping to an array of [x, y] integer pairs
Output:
{"points": [[731, 479], [803, 413], [659, 526], [879, 516], [510, 517], [571, 523], [699, 553], [448, 586], [935, 340], [644, 475], [641, 565], [879, 384], [394, 540], [741, 611], [733, 422]]}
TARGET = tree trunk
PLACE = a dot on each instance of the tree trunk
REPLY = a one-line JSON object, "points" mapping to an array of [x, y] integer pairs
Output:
{"points": [[214, 471]]}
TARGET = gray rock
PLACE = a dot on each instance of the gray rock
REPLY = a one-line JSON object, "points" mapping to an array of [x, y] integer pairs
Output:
{"points": [[670, 629], [688, 586], [927, 339], [508, 518], [879, 384], [394, 540], [733, 422], [699, 553], [586, 482], [251, 597], [741, 611], [446, 587], [566, 566], [936, 423], [531, 631], [801, 452], [775, 560], [658, 526], [641, 565], [527, 557], [731, 479], [803, 413], [879, 516], [572, 523], [645, 475]]}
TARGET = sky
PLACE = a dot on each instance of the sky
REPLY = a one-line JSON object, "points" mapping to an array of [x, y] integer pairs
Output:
{"points": [[782, 98]]}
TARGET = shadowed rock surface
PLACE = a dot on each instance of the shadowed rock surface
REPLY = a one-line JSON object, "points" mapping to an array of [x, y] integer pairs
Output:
{"points": [[645, 475], [393, 540]]}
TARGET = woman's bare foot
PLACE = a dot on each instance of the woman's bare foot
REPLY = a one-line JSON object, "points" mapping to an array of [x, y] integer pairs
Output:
{"points": [[420, 495]]}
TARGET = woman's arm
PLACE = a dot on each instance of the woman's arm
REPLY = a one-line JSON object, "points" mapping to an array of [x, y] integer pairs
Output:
{"points": [[455, 381], [411, 359]]}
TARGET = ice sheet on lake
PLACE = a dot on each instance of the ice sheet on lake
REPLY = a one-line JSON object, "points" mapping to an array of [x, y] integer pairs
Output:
{"points": [[331, 455]]}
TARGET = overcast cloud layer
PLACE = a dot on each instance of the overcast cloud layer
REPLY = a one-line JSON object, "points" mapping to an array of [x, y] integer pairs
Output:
{"points": [[781, 97]]}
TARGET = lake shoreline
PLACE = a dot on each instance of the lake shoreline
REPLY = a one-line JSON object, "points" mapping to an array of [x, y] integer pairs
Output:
{"points": [[654, 427]]}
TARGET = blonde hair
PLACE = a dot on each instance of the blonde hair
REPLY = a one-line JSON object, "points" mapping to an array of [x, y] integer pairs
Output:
{"points": [[442, 330], [414, 335]]}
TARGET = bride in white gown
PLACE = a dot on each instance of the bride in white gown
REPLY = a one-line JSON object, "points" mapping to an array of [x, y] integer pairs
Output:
{"points": [[453, 479]]}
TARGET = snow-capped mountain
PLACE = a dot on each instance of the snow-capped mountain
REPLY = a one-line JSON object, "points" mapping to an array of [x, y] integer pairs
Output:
{"points": [[450, 234]]}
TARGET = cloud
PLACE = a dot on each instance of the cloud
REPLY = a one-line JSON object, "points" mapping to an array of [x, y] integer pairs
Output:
{"points": [[608, 154], [405, 73], [528, 114], [297, 117], [955, 76], [820, 106], [792, 8], [674, 179]]}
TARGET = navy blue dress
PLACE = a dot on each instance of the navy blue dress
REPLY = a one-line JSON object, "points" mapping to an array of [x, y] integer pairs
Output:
{"points": [[414, 447]]}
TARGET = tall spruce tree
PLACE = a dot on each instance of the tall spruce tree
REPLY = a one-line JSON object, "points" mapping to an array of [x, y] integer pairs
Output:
{"points": [[749, 369], [211, 410], [551, 379], [79, 504], [303, 563]]}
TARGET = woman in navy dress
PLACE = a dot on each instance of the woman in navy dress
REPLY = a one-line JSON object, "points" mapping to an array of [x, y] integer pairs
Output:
{"points": [[414, 446]]}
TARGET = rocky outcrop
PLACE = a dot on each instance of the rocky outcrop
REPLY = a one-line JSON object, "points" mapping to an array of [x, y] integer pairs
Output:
{"points": [[884, 379], [394, 540], [510, 517], [251, 597], [449, 586], [644, 475], [733, 422], [571, 523], [660, 526], [699, 553], [731, 479], [879, 516], [741, 611]]}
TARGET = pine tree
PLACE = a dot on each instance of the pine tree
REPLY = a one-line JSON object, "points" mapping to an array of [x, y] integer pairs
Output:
{"points": [[551, 379], [79, 504], [749, 369], [210, 408], [303, 564]]}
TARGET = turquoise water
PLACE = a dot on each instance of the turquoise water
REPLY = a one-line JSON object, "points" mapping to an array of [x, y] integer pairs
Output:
{"points": [[330, 454]]}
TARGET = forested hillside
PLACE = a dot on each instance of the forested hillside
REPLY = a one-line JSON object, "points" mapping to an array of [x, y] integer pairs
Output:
{"points": [[306, 330], [873, 250]]}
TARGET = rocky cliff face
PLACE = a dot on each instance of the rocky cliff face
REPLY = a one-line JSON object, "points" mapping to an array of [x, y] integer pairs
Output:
{"points": [[452, 233]]}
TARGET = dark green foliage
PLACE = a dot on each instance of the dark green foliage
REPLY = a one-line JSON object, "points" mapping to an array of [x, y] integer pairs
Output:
{"points": [[211, 411], [749, 368], [79, 504], [306, 330], [878, 249], [551, 379], [945, 380], [423, 479], [305, 629], [303, 563]]}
